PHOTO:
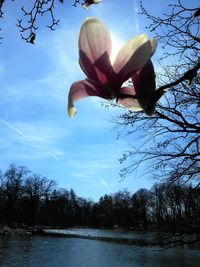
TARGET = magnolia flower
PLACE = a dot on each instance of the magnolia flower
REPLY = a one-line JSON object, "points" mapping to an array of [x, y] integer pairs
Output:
{"points": [[87, 3], [105, 79], [142, 96]]}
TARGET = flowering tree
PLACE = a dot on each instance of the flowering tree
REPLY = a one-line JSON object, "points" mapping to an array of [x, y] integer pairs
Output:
{"points": [[171, 141]]}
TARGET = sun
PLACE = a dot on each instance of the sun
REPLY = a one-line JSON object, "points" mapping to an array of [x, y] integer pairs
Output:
{"points": [[116, 46]]}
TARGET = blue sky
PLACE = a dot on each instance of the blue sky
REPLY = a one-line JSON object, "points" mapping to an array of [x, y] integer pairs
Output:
{"points": [[35, 129]]}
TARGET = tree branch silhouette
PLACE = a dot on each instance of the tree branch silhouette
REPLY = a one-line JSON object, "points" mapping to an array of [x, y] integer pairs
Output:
{"points": [[28, 24], [170, 145]]}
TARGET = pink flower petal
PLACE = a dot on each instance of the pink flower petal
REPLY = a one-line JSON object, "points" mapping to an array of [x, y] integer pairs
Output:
{"points": [[132, 57], [145, 87], [82, 89], [149, 101], [99, 70], [144, 79], [146, 103], [127, 90], [94, 50], [130, 103]]}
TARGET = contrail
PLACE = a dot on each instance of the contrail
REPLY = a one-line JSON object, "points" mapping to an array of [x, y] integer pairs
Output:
{"points": [[105, 184], [28, 138], [135, 17], [15, 129]]}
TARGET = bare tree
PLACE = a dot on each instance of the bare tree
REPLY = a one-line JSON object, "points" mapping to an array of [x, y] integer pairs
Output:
{"points": [[37, 189], [13, 189], [28, 23], [170, 146]]}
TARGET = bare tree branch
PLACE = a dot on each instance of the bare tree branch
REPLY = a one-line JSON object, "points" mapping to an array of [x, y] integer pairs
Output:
{"points": [[28, 24], [170, 148]]}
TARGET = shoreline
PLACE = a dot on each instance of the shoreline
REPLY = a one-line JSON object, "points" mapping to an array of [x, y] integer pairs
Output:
{"points": [[20, 231], [38, 231], [142, 241]]}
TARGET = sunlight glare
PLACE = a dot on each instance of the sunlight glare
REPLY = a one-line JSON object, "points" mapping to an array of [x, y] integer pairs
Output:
{"points": [[116, 46]]}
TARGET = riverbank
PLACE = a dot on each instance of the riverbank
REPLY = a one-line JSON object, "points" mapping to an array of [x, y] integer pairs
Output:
{"points": [[21, 231], [114, 236], [120, 236], [5, 230]]}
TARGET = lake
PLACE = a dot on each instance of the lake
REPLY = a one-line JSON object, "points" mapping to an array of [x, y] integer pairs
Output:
{"points": [[48, 251]]}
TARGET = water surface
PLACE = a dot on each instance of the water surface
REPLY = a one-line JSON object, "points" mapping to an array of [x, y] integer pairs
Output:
{"points": [[45, 251], [90, 232]]}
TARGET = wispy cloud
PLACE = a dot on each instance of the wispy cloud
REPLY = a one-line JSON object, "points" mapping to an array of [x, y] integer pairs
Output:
{"points": [[95, 181], [136, 23], [96, 162], [83, 179], [39, 139], [34, 128], [106, 185], [63, 53], [2, 70]]}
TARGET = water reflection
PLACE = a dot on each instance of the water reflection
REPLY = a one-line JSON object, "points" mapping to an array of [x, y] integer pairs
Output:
{"points": [[102, 233], [73, 252]]}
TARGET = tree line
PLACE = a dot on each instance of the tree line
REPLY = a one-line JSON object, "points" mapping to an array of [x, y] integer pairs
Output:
{"points": [[31, 199]]}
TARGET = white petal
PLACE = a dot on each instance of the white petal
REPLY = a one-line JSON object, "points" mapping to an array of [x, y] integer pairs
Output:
{"points": [[154, 44], [94, 50], [133, 56], [94, 39]]}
